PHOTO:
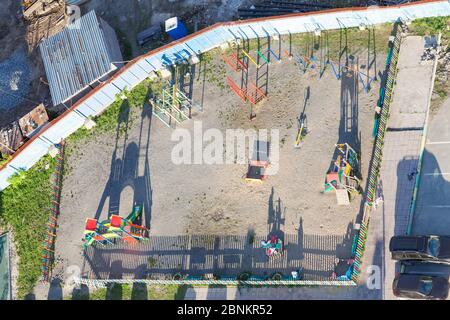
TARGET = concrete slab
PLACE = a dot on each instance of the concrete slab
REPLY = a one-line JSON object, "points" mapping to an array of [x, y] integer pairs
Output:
{"points": [[411, 51], [413, 96]]}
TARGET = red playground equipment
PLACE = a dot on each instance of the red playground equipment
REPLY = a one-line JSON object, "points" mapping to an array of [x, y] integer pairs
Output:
{"points": [[116, 227], [127, 230]]}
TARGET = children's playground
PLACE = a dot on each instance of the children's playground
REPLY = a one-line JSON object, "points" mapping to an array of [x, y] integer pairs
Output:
{"points": [[129, 211]]}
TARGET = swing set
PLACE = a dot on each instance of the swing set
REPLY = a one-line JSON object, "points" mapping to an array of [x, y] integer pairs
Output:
{"points": [[303, 129], [316, 57]]}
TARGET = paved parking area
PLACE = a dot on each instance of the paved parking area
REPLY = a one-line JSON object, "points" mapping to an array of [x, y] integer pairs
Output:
{"points": [[432, 214]]}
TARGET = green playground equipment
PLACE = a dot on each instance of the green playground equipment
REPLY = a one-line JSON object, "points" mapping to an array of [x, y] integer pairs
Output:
{"points": [[343, 177], [173, 106]]}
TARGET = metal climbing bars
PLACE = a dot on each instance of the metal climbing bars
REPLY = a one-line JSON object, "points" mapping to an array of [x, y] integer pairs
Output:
{"points": [[242, 60], [234, 62], [173, 106]]}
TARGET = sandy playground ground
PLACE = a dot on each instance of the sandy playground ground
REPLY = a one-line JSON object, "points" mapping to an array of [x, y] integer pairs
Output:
{"points": [[206, 218]]}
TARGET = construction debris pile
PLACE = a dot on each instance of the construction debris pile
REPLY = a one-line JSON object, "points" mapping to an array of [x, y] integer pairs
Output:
{"points": [[14, 135], [44, 18], [442, 74], [431, 49]]}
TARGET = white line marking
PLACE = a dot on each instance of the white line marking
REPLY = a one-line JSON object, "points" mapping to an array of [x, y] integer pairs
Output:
{"points": [[438, 142], [437, 174], [441, 206]]}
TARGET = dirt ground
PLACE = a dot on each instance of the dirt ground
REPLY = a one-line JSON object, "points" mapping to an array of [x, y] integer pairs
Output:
{"points": [[115, 172]]}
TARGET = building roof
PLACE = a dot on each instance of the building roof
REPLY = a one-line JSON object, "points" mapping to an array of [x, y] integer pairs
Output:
{"points": [[33, 120], [10, 138], [77, 56]]}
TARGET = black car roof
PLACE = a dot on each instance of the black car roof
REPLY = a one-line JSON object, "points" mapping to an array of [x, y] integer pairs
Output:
{"points": [[444, 248], [408, 282], [401, 243]]}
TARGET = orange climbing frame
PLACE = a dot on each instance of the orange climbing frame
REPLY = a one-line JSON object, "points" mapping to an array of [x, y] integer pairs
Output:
{"points": [[240, 93], [254, 95], [234, 62]]}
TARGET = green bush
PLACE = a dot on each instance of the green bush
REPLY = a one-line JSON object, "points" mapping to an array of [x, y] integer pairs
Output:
{"points": [[430, 26]]}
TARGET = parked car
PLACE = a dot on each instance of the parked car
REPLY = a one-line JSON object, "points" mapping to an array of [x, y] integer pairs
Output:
{"points": [[414, 286], [428, 248], [152, 33]]}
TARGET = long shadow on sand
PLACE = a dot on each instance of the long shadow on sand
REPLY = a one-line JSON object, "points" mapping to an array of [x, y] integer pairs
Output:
{"points": [[126, 166], [163, 256]]}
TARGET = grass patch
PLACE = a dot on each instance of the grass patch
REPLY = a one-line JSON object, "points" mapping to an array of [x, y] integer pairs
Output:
{"points": [[431, 26], [25, 206], [118, 112], [4, 159], [214, 71], [334, 41], [129, 292]]}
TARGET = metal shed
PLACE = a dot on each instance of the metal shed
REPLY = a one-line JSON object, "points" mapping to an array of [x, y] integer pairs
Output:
{"points": [[86, 50]]}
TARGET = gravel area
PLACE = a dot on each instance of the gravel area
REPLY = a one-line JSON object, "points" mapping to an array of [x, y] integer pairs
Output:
{"points": [[14, 80]]}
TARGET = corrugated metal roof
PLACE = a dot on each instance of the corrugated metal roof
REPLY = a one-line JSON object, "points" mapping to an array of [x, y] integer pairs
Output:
{"points": [[76, 57]]}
